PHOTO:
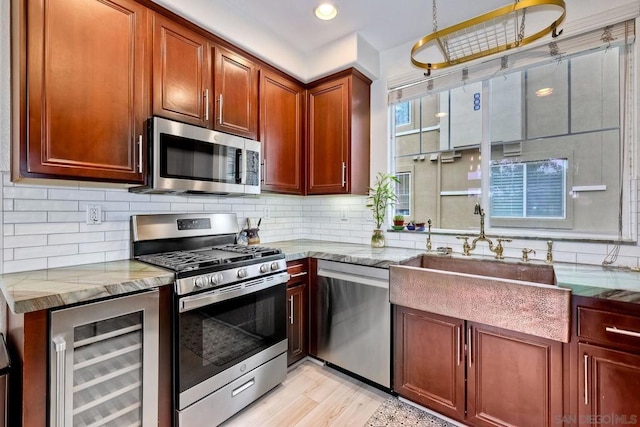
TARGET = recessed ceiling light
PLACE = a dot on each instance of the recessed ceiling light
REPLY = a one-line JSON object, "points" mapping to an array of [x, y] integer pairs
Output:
{"points": [[326, 11], [441, 114], [545, 91]]}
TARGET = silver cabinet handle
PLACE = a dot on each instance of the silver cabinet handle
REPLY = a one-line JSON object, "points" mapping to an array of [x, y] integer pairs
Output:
{"points": [[60, 347], [586, 384], [470, 346], [264, 170], [206, 104], [458, 343], [304, 273], [291, 309], [140, 153], [220, 110], [243, 387], [344, 174], [615, 330]]}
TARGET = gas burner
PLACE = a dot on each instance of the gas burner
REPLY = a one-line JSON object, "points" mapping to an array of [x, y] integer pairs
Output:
{"points": [[181, 260], [256, 251]]}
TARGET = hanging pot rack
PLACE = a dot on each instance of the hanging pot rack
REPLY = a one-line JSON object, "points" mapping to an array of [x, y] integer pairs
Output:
{"points": [[496, 31]]}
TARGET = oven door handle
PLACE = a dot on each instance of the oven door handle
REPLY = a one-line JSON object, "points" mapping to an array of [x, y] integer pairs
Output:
{"points": [[232, 291]]}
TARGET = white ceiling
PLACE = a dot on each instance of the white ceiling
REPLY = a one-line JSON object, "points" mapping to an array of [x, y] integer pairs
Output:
{"points": [[383, 23]]}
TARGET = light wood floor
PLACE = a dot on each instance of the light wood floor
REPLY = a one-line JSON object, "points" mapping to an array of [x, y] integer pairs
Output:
{"points": [[313, 395]]}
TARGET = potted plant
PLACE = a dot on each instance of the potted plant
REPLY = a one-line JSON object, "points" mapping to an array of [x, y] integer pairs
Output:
{"points": [[398, 220], [381, 195]]}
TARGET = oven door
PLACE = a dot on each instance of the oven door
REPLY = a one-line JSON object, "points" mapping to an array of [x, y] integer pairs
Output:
{"points": [[225, 333]]}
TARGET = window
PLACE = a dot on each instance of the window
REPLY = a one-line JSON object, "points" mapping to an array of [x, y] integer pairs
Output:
{"points": [[403, 114], [529, 190], [548, 132], [403, 192]]}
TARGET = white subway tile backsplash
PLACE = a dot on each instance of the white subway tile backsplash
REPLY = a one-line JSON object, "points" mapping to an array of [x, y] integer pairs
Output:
{"points": [[7, 204], [150, 206], [117, 255], [66, 216], [24, 217], [67, 260], [7, 254], [46, 228], [25, 241], [45, 205], [20, 192], [44, 251], [117, 245], [105, 206], [66, 238], [8, 230], [69, 194], [105, 226], [117, 235], [24, 265], [125, 196]]}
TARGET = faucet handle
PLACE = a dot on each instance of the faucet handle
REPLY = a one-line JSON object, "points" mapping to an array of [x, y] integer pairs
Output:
{"points": [[500, 249], [465, 246], [526, 252]]}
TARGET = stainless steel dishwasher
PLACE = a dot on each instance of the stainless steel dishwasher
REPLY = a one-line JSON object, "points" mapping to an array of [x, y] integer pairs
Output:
{"points": [[353, 323]]}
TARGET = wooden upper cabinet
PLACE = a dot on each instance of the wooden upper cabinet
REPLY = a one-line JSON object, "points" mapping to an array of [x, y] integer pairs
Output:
{"points": [[181, 73], [236, 94], [281, 135], [86, 77], [338, 134]]}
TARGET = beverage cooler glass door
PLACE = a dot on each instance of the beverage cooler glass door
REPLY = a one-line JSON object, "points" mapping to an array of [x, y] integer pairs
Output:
{"points": [[103, 365]]}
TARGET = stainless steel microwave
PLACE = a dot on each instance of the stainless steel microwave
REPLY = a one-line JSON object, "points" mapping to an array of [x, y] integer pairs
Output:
{"points": [[188, 159]]}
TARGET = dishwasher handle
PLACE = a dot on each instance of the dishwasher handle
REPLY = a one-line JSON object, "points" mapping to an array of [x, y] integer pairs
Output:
{"points": [[355, 278]]}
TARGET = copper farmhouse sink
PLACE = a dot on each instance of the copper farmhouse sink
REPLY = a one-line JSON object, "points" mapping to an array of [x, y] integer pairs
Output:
{"points": [[512, 295]]}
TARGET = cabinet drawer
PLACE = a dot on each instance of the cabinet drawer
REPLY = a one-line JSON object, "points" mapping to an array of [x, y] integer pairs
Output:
{"points": [[298, 270], [608, 327]]}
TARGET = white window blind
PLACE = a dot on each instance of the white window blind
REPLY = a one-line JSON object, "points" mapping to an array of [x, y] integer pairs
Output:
{"points": [[415, 84], [403, 192], [529, 190]]}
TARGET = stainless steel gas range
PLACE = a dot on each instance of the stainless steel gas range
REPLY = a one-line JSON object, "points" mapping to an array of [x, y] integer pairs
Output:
{"points": [[229, 312]]}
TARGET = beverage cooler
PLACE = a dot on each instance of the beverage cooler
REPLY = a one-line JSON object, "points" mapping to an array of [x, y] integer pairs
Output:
{"points": [[103, 363]]}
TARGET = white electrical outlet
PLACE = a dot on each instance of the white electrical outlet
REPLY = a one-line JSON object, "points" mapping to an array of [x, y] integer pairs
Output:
{"points": [[267, 213], [344, 215], [94, 214]]}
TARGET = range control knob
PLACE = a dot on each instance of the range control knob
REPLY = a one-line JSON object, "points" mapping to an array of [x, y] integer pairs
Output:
{"points": [[264, 268], [215, 279], [242, 273], [200, 282], [274, 266]]}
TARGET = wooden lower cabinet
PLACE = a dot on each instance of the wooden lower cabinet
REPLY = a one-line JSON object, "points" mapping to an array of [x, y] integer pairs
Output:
{"points": [[428, 367], [607, 363], [297, 311], [477, 374], [609, 387], [513, 379]]}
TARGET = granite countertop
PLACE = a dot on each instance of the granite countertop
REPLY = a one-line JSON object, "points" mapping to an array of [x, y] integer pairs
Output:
{"points": [[57, 287]]}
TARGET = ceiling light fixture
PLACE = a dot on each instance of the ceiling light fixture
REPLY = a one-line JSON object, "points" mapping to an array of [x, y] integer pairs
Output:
{"points": [[545, 91], [326, 11], [496, 31]]}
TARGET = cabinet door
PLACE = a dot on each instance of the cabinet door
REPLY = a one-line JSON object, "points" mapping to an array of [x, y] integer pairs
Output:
{"points": [[87, 73], [429, 360], [181, 77], [236, 94], [281, 120], [328, 105], [513, 379], [609, 386], [297, 297]]}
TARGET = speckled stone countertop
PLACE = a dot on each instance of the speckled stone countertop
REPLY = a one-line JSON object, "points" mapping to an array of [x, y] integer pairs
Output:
{"points": [[583, 280], [57, 287]]}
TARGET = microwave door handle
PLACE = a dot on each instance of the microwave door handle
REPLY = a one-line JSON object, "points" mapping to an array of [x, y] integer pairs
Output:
{"points": [[238, 167]]}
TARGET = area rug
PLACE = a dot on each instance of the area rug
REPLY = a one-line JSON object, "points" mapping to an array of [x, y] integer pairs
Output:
{"points": [[394, 413]]}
